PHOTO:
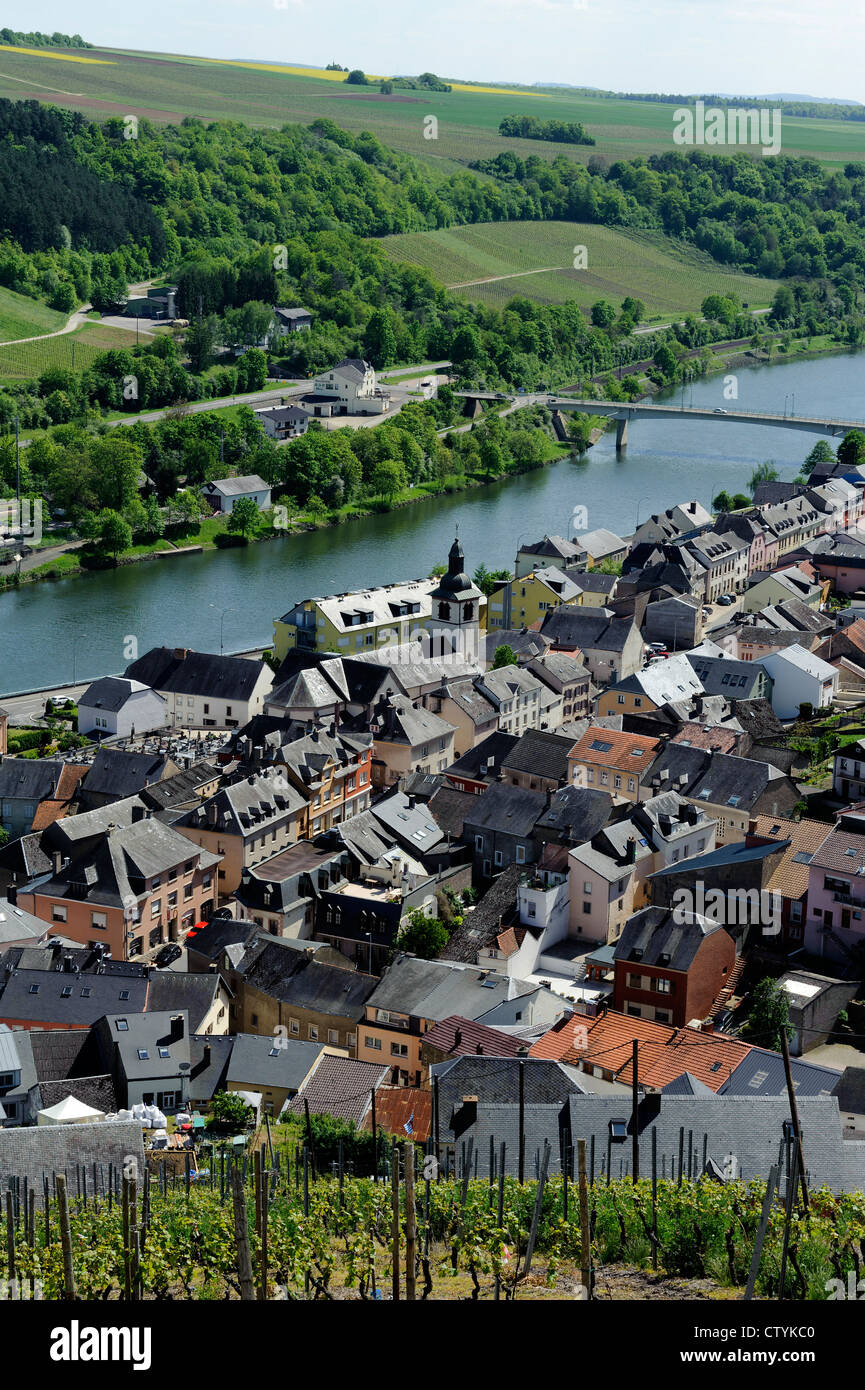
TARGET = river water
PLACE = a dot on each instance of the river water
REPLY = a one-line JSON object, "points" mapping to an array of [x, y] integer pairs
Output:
{"points": [[54, 632]]}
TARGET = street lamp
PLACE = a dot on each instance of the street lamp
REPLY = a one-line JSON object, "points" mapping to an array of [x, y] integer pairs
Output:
{"points": [[368, 935], [222, 612], [17, 560], [640, 502]]}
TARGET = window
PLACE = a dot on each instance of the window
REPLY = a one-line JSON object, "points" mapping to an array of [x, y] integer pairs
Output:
{"points": [[124, 994], [58, 912], [498, 856], [587, 908], [399, 1049], [66, 991], [332, 1036], [521, 854], [374, 1043], [618, 1129], [294, 1027], [121, 1025], [312, 1032], [156, 907], [143, 1054], [663, 986], [34, 989], [163, 1052]]}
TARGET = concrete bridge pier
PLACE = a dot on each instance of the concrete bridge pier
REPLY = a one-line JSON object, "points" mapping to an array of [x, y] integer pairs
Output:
{"points": [[622, 433]]}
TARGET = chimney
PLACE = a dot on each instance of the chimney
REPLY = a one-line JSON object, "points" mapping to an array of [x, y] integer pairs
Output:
{"points": [[411, 802], [211, 812], [181, 653], [458, 1037], [58, 861], [631, 850], [138, 813], [176, 1027], [206, 1053], [12, 895], [213, 967]]}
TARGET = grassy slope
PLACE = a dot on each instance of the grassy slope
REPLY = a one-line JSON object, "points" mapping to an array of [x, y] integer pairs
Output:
{"points": [[646, 265], [21, 317], [169, 86], [72, 351]]}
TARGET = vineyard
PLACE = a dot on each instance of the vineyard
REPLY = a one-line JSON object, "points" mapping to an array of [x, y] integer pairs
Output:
{"points": [[264, 1227]]}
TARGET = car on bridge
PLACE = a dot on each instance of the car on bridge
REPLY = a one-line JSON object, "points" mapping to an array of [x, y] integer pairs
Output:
{"points": [[719, 410]]}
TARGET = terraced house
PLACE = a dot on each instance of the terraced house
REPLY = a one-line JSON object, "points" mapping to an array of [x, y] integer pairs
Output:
{"points": [[248, 822], [132, 887]]}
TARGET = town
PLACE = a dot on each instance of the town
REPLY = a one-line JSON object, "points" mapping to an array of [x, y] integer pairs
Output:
{"points": [[432, 728]]}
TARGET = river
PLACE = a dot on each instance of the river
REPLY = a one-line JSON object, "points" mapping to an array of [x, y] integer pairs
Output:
{"points": [[54, 632]]}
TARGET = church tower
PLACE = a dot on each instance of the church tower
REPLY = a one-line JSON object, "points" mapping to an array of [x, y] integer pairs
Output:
{"points": [[454, 622]]}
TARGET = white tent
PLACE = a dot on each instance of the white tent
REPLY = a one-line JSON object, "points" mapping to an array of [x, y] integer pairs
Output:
{"points": [[69, 1112]]}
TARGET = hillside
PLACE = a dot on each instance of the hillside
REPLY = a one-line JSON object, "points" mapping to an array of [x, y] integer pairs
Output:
{"points": [[167, 87], [494, 261]]}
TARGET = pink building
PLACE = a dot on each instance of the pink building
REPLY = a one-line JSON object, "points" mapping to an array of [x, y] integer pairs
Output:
{"points": [[835, 924]]}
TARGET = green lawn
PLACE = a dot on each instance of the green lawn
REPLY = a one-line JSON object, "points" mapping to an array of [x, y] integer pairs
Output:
{"points": [[537, 259], [21, 317]]}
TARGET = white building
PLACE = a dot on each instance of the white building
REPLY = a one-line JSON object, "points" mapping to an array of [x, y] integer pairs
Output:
{"points": [[284, 421], [204, 691], [224, 492], [349, 388], [799, 678], [116, 706]]}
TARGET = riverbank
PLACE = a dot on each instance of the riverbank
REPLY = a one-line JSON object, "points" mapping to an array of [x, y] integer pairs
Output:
{"points": [[194, 539]]}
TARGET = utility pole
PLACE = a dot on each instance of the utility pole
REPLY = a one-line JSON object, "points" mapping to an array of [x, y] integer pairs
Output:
{"points": [[794, 1115], [18, 469], [635, 1112]]}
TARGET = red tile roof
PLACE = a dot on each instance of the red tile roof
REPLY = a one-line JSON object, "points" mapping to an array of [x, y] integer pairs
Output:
{"points": [[396, 1105], [663, 1052]]}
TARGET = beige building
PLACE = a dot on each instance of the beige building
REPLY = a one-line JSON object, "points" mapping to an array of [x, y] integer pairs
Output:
{"points": [[247, 823]]}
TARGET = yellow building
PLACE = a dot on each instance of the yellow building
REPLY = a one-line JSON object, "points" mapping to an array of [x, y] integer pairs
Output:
{"points": [[522, 602]]}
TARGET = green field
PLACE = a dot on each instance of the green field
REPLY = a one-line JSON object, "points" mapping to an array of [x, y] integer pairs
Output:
{"points": [[167, 87], [21, 317], [535, 259], [72, 351]]}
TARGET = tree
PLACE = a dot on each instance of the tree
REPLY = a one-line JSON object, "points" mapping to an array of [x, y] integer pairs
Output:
{"points": [[487, 580], [821, 453], [769, 1016], [379, 339], [851, 450], [154, 522], [187, 506], [358, 77], [603, 314], [504, 656], [723, 502], [112, 533], [201, 339], [719, 307], [763, 473], [244, 517], [388, 478], [228, 1110], [422, 936], [634, 308]]}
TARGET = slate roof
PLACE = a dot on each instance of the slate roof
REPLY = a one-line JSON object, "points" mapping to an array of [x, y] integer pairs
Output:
{"points": [[664, 681], [540, 753], [271, 1062], [37, 996], [298, 979], [586, 628], [437, 988], [693, 771], [197, 673], [848, 833], [117, 774], [654, 936], [148, 1034], [110, 693], [31, 1151], [762, 1073], [850, 1090], [211, 939], [208, 1070], [17, 925], [449, 808], [524, 642], [503, 807], [96, 1091], [249, 807], [106, 872], [28, 779], [497, 746], [174, 990], [403, 722], [340, 1086], [575, 813], [496, 1080], [180, 788], [724, 676]]}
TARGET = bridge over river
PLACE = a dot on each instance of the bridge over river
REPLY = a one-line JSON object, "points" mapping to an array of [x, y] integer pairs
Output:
{"points": [[625, 411]]}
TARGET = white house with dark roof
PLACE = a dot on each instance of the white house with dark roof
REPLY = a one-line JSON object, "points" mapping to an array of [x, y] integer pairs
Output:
{"points": [[224, 492], [349, 388], [116, 706], [296, 320], [284, 421], [202, 690]]}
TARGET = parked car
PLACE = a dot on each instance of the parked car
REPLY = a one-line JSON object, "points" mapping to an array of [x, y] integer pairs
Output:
{"points": [[726, 600], [169, 953]]}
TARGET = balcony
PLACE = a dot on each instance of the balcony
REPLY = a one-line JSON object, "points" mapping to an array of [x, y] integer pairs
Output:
{"points": [[849, 899]]}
